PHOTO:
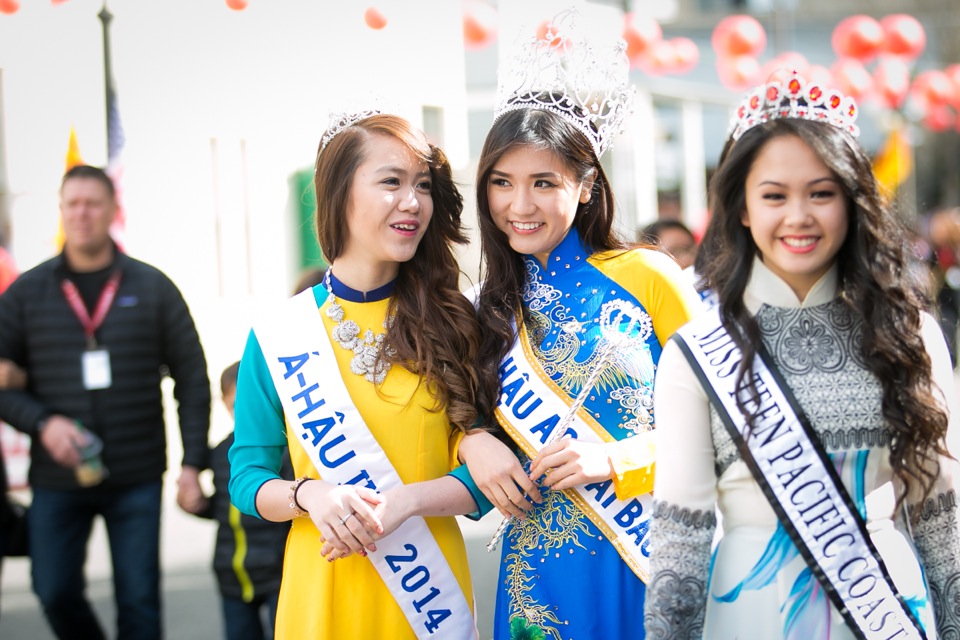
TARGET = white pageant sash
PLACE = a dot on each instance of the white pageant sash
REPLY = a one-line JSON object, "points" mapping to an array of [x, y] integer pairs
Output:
{"points": [[324, 419], [530, 407], [800, 482]]}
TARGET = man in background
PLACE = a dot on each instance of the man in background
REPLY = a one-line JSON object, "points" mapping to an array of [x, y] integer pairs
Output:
{"points": [[674, 238], [96, 331]]}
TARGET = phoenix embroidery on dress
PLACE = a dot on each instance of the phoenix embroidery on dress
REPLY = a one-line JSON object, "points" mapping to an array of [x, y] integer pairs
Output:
{"points": [[559, 338]]}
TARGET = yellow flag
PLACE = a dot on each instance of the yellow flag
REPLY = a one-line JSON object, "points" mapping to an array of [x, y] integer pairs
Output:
{"points": [[894, 162], [73, 151], [72, 160]]}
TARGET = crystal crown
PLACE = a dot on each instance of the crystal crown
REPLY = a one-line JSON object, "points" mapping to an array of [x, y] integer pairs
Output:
{"points": [[343, 120], [561, 72]]}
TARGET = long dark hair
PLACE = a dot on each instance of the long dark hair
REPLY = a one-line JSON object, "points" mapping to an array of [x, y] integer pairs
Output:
{"points": [[502, 267], [435, 331], [873, 266]]}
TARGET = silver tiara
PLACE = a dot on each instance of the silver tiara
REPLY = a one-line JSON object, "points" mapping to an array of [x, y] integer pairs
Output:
{"points": [[561, 72], [340, 121]]}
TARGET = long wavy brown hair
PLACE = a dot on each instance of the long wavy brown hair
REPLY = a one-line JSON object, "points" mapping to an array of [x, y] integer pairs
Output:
{"points": [[874, 284], [502, 267], [435, 331]]}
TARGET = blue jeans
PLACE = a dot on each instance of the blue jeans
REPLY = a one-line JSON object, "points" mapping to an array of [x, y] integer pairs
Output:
{"points": [[244, 620], [60, 525]]}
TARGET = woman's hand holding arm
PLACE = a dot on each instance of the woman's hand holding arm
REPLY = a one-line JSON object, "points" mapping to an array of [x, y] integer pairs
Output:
{"points": [[498, 473]]}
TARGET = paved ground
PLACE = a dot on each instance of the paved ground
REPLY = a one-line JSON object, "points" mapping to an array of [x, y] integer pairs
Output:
{"points": [[191, 603]]}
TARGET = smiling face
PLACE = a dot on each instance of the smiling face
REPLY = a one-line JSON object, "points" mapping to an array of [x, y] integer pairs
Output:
{"points": [[533, 198], [796, 211], [388, 209]]}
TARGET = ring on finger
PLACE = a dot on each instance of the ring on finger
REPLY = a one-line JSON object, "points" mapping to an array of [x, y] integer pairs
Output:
{"points": [[344, 519]]}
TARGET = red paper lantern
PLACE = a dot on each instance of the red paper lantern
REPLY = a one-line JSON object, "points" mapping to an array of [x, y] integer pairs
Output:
{"points": [[9, 6], [738, 72], [687, 55], [820, 75], [905, 35], [556, 38], [939, 118], [852, 78], [374, 19], [739, 35], [659, 59], [641, 33], [859, 37], [933, 87], [891, 79], [479, 24], [237, 5], [953, 72], [785, 65]]}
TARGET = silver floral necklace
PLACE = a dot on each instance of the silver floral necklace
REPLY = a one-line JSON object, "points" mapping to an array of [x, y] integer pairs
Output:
{"points": [[346, 333]]}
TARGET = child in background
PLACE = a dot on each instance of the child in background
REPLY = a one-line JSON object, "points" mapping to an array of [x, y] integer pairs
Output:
{"points": [[248, 556]]}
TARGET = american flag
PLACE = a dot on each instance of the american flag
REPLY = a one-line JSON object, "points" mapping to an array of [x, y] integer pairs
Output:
{"points": [[115, 142], [115, 136]]}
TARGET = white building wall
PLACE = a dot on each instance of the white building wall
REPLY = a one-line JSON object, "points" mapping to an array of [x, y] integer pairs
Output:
{"points": [[219, 108]]}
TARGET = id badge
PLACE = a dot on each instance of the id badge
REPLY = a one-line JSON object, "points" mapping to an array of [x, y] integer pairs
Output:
{"points": [[96, 369]]}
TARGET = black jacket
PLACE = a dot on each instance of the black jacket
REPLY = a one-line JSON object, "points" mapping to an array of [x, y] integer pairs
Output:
{"points": [[149, 333], [256, 570]]}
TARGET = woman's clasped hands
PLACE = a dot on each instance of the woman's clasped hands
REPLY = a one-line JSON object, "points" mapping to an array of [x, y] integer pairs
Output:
{"points": [[347, 516], [351, 519]]}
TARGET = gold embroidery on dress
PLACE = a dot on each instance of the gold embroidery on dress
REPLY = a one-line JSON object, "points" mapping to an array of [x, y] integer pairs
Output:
{"points": [[562, 524], [558, 522]]}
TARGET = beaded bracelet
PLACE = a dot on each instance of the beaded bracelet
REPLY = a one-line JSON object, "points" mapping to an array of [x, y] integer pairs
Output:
{"points": [[298, 511]]}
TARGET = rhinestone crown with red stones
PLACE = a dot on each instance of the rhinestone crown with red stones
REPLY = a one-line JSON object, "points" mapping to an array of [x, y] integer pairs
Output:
{"points": [[562, 72], [795, 98]]}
